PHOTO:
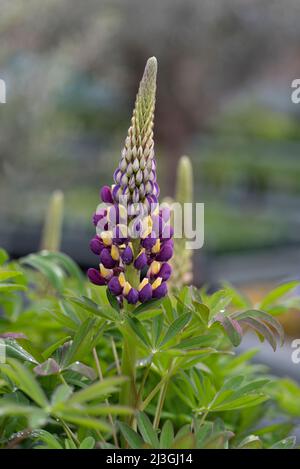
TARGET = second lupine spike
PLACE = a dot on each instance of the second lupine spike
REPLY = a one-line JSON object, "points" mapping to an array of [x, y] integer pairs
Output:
{"points": [[134, 268]]}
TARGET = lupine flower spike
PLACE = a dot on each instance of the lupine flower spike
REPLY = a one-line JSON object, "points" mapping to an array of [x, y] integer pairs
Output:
{"points": [[182, 261], [133, 239]]}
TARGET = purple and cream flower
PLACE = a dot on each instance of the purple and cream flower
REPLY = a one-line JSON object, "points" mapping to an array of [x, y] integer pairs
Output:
{"points": [[133, 241]]}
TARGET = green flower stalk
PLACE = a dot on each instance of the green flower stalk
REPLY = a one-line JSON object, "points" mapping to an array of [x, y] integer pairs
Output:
{"points": [[52, 230], [182, 261]]}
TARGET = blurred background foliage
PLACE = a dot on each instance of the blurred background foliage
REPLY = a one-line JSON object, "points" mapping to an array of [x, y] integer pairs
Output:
{"points": [[225, 73]]}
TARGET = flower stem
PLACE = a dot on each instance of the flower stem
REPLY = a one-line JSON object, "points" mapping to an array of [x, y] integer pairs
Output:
{"points": [[128, 390], [128, 367], [100, 375], [160, 404]]}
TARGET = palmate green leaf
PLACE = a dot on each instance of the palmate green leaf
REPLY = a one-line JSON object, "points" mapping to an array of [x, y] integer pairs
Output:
{"points": [[83, 342], [50, 350], [3, 256], [157, 327], [25, 380], [251, 442], [168, 310], [134, 440], [277, 293], [177, 352], [88, 443], [78, 317], [83, 370], [8, 287], [218, 440], [87, 422], [265, 319], [97, 390], [167, 435], [62, 318], [48, 368], [175, 328], [68, 265], [205, 390], [107, 409], [234, 394], [7, 274], [61, 394], [139, 330], [30, 347], [151, 314], [35, 416], [49, 269], [146, 429], [50, 440], [10, 409], [218, 301], [262, 330], [89, 305], [231, 327], [69, 444], [201, 311], [148, 306], [238, 299], [287, 443], [202, 431], [287, 394], [245, 396], [15, 350], [239, 361], [240, 403], [184, 299], [196, 342], [113, 301], [184, 391], [187, 441]]}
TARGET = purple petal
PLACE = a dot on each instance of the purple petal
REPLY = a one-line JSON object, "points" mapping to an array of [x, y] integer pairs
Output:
{"points": [[106, 259], [106, 195], [149, 242], [95, 277], [165, 271], [160, 291], [96, 245], [127, 255], [140, 261], [165, 253], [146, 293], [132, 296], [114, 286]]}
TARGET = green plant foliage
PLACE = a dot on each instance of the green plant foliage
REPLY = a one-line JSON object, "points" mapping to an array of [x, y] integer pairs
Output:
{"points": [[61, 382]]}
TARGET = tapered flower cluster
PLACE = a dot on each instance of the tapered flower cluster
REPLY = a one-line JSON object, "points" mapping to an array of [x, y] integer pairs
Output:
{"points": [[134, 236]]}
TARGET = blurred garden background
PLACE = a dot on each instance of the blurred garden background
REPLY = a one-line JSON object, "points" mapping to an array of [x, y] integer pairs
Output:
{"points": [[224, 98]]}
